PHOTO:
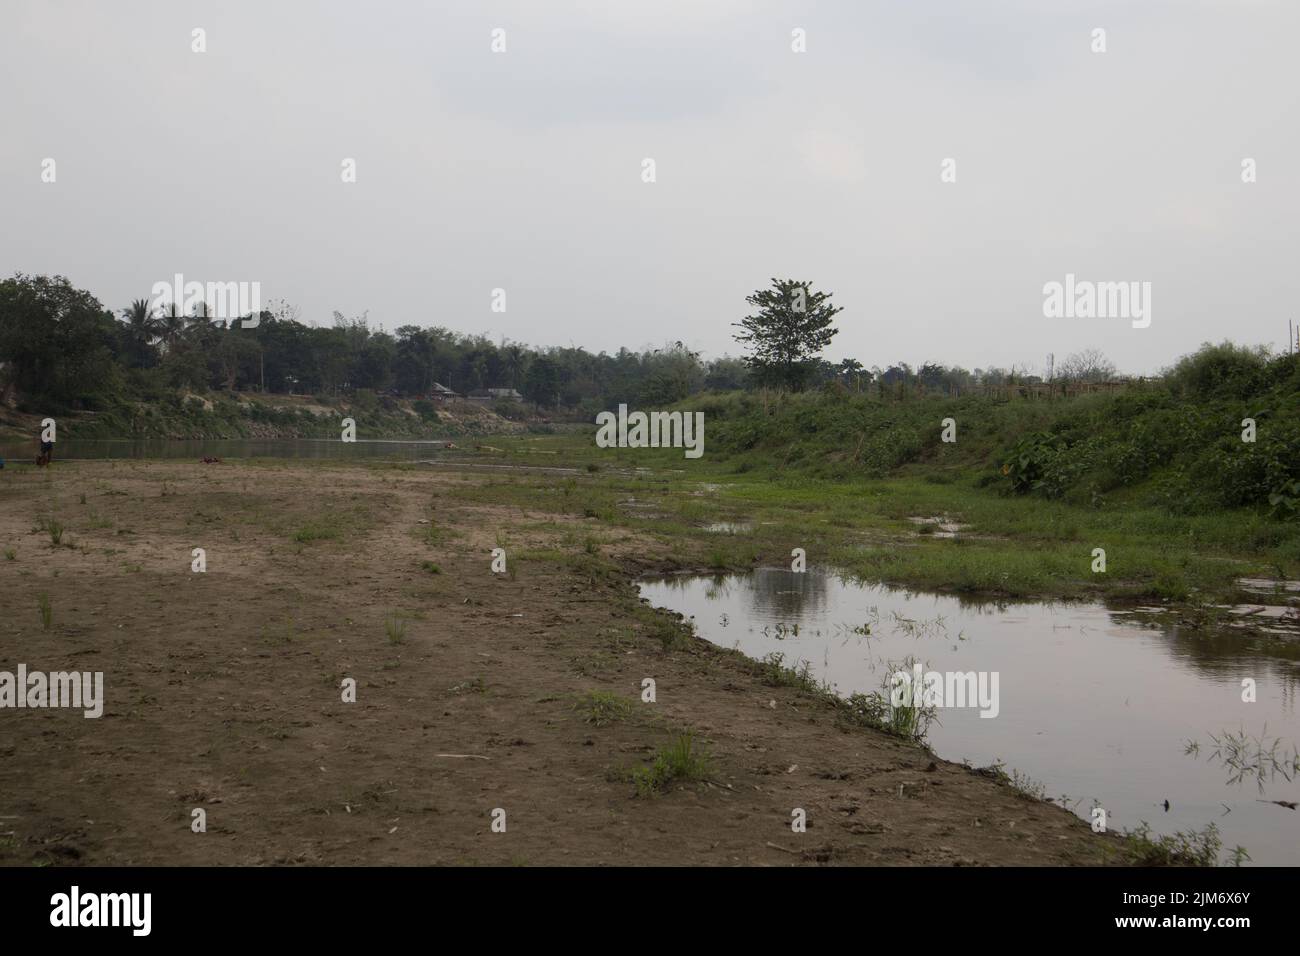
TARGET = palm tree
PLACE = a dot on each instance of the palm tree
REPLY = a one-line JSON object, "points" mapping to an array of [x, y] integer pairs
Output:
{"points": [[514, 363], [142, 329], [171, 325]]}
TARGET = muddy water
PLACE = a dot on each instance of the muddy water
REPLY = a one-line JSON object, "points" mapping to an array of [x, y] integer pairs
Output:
{"points": [[1099, 706]]}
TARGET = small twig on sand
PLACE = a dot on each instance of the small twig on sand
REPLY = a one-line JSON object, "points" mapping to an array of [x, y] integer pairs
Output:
{"points": [[464, 756]]}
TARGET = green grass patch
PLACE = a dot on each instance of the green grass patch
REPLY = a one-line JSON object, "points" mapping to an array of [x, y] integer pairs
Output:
{"points": [[683, 760], [319, 529], [1193, 848], [602, 707]]}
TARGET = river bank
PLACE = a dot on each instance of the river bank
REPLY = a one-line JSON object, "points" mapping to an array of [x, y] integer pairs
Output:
{"points": [[518, 691]]}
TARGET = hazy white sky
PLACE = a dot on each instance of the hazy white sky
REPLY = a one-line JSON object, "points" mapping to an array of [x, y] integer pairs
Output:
{"points": [[522, 170]]}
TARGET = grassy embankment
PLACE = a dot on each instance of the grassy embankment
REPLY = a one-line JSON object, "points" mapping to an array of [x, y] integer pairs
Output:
{"points": [[1159, 478], [177, 415]]}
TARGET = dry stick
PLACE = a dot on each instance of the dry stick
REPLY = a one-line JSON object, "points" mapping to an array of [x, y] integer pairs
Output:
{"points": [[464, 756]]}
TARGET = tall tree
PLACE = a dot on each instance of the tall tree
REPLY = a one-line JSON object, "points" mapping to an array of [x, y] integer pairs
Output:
{"points": [[790, 328], [515, 363], [143, 328], [171, 326], [1090, 365], [56, 342], [851, 371], [542, 385]]}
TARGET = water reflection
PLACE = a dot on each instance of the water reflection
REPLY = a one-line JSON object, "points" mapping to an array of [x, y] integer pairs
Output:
{"points": [[1096, 703]]}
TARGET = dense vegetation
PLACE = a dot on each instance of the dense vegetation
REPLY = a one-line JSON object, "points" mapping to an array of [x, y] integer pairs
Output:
{"points": [[1174, 442], [62, 350]]}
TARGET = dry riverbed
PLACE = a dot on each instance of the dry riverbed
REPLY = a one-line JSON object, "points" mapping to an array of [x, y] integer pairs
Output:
{"points": [[473, 692]]}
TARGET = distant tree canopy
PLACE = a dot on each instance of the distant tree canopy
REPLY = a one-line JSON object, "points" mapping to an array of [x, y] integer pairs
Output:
{"points": [[1087, 366], [60, 349], [789, 330], [58, 344]]}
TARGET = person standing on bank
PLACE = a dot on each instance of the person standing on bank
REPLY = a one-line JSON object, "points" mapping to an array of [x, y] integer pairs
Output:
{"points": [[46, 453]]}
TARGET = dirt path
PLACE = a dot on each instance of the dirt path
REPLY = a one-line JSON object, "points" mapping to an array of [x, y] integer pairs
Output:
{"points": [[223, 693]]}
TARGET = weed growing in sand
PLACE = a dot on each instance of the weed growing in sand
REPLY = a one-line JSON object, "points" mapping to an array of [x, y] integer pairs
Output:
{"points": [[602, 707], [431, 534], [11, 554], [395, 628], [908, 718], [1193, 848], [1022, 783], [53, 527], [319, 529], [681, 761], [868, 710], [670, 632], [47, 610], [430, 567], [773, 672]]}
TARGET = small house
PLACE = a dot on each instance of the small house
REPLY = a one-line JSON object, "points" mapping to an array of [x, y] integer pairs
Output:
{"points": [[486, 396], [441, 393]]}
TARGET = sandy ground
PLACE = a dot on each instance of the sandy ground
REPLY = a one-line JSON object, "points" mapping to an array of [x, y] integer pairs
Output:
{"points": [[223, 694]]}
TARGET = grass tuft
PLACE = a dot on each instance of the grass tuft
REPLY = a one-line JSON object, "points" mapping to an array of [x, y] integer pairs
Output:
{"points": [[602, 707], [395, 628], [683, 760], [1193, 848]]}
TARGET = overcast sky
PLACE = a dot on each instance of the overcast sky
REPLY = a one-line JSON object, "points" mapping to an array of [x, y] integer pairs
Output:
{"points": [[523, 170]]}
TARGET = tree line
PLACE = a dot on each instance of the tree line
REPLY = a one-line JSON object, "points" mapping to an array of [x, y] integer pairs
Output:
{"points": [[60, 348]]}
